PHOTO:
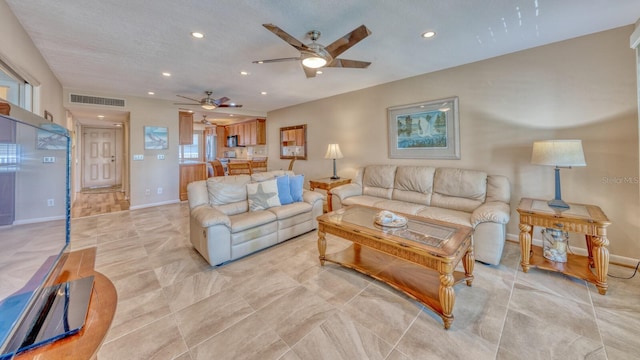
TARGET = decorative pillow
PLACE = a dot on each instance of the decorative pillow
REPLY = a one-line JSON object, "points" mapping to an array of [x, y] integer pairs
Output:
{"points": [[284, 191], [263, 195], [295, 184]]}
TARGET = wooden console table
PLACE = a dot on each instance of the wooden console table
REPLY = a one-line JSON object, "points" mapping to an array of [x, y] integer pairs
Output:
{"points": [[102, 307], [585, 219], [328, 184]]}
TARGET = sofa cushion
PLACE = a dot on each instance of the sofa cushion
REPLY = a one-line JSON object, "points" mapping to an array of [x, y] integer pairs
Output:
{"points": [[248, 220], [378, 180], [296, 184], [287, 211], [414, 184], [448, 215], [361, 200], [284, 191], [227, 189], [399, 206], [263, 195], [459, 189]]}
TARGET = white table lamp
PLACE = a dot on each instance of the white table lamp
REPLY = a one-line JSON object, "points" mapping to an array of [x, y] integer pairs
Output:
{"points": [[333, 152], [561, 154]]}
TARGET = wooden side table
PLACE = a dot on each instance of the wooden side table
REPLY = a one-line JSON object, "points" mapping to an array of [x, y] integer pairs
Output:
{"points": [[328, 184], [580, 218]]}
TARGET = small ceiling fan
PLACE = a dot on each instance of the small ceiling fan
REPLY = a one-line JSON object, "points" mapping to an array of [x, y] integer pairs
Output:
{"points": [[315, 55], [209, 103]]}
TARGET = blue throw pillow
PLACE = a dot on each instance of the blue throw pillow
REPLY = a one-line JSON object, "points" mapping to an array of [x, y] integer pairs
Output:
{"points": [[295, 183], [284, 191]]}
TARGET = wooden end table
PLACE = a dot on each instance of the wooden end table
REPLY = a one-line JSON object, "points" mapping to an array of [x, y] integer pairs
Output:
{"points": [[328, 184], [580, 218]]}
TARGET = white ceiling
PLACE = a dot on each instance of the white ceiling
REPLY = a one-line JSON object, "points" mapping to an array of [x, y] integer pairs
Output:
{"points": [[121, 47]]}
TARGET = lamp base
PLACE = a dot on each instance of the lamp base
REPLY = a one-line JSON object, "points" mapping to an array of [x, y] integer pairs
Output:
{"points": [[558, 203], [334, 177]]}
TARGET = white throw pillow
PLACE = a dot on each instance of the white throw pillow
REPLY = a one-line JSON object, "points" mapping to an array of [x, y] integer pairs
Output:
{"points": [[263, 195]]}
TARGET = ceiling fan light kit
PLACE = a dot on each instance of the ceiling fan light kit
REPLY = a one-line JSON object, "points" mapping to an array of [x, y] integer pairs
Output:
{"points": [[209, 103]]}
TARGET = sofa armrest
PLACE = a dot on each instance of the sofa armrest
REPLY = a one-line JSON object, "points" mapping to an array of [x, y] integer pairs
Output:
{"points": [[311, 196], [347, 190], [208, 216], [493, 211]]}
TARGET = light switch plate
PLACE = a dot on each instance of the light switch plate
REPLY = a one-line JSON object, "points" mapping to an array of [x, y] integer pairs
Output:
{"points": [[48, 159], [160, 156], [137, 157]]}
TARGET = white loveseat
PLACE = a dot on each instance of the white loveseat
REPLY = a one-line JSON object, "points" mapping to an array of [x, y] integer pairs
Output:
{"points": [[223, 227], [466, 197]]}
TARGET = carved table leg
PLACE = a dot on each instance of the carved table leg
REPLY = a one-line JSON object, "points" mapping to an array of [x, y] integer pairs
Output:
{"points": [[525, 245], [589, 239], [601, 259], [447, 298], [322, 246], [468, 261]]}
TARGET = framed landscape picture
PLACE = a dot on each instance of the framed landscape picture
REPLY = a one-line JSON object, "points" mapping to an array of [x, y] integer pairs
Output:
{"points": [[156, 138], [428, 130]]}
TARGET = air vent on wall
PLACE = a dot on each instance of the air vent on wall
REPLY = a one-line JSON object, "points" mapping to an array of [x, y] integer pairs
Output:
{"points": [[94, 100]]}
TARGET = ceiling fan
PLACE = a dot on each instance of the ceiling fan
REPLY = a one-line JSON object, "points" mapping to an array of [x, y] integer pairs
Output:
{"points": [[315, 55], [209, 103]]}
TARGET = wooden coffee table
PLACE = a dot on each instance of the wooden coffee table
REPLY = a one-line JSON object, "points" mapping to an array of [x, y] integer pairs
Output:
{"points": [[418, 259]]}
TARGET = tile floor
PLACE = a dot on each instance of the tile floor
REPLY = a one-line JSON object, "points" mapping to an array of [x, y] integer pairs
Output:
{"points": [[281, 304]]}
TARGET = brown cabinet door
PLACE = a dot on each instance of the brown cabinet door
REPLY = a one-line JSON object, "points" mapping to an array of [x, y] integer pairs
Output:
{"points": [[261, 132], [186, 128], [190, 173]]}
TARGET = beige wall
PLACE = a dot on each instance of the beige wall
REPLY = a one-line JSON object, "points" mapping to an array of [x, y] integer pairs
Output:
{"points": [[583, 88], [19, 52]]}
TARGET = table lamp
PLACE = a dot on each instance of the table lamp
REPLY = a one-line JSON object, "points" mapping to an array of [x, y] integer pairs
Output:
{"points": [[561, 154], [333, 152]]}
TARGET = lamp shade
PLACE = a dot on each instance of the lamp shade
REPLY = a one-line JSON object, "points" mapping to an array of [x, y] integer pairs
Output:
{"points": [[333, 152], [561, 153]]}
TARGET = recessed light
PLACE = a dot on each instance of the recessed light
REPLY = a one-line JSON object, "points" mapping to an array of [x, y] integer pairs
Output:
{"points": [[166, 74], [151, 93], [428, 34], [263, 93], [318, 72], [197, 35], [231, 115], [118, 125], [244, 73], [100, 116]]}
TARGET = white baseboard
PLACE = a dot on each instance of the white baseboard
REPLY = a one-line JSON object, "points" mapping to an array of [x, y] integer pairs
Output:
{"points": [[154, 204], [615, 259], [38, 220]]}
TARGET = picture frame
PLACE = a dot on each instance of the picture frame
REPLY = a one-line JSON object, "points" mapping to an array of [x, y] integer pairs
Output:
{"points": [[51, 137], [426, 130], [156, 138]]}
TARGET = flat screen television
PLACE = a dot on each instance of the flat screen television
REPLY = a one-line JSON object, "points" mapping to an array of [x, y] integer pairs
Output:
{"points": [[35, 235]]}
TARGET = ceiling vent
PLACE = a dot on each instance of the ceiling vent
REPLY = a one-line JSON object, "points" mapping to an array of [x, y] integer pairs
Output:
{"points": [[94, 100]]}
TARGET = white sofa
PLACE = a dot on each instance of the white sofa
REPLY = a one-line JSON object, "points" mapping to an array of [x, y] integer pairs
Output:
{"points": [[460, 196], [223, 228]]}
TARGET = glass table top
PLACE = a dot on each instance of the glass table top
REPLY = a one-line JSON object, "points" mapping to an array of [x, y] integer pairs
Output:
{"points": [[426, 233]]}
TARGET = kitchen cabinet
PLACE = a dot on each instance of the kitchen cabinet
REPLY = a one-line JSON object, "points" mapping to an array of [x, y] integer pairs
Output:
{"points": [[185, 129], [190, 172], [221, 144], [249, 133]]}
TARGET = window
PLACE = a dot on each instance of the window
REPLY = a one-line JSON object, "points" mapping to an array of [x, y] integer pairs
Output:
{"points": [[14, 88], [192, 151]]}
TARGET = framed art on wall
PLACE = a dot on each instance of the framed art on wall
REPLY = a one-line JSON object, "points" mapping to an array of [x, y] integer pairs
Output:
{"points": [[156, 138], [427, 130]]}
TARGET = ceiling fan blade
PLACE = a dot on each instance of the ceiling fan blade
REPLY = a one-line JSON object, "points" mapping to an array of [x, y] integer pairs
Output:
{"points": [[188, 98], [276, 60], [230, 105], [345, 63], [286, 37], [344, 43], [223, 99], [309, 72]]}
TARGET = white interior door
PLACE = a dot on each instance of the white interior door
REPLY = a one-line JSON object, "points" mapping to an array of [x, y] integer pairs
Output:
{"points": [[101, 158]]}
